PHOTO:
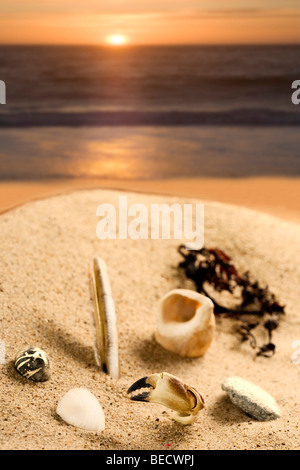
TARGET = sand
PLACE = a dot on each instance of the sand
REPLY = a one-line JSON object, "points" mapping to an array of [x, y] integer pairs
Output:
{"points": [[47, 248], [277, 196]]}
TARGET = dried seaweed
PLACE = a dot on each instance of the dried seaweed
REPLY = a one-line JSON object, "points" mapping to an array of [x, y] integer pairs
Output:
{"points": [[212, 270]]}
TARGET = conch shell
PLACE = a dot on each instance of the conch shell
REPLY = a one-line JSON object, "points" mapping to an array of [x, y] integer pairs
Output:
{"points": [[186, 323]]}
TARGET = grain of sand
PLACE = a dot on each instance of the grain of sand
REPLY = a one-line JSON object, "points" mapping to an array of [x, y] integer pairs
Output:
{"points": [[46, 252]]}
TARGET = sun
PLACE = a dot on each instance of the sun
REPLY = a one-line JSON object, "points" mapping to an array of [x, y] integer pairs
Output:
{"points": [[117, 40]]}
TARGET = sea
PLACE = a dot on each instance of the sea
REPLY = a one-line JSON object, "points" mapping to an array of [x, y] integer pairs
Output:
{"points": [[149, 112]]}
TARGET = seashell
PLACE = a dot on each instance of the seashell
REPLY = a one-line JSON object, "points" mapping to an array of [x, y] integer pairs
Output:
{"points": [[104, 320], [186, 323], [33, 363], [81, 409]]}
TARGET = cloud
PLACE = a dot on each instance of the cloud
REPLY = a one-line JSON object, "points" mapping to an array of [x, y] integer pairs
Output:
{"points": [[91, 6], [145, 10], [163, 7], [235, 13]]}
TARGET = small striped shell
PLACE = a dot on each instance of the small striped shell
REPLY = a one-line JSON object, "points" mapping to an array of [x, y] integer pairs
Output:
{"points": [[33, 363]]}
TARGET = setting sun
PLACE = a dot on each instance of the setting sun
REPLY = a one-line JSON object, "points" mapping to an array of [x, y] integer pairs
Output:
{"points": [[117, 40]]}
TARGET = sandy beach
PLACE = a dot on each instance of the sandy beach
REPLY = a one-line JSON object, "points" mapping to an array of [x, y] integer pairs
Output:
{"points": [[47, 250], [277, 196], [120, 120]]}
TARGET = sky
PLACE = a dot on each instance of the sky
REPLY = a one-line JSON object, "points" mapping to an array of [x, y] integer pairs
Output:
{"points": [[150, 22]]}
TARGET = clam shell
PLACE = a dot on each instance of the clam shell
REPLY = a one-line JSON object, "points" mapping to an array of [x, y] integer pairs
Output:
{"points": [[104, 320], [186, 323], [80, 408]]}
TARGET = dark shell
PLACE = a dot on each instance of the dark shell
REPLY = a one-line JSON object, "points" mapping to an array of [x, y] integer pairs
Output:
{"points": [[33, 363]]}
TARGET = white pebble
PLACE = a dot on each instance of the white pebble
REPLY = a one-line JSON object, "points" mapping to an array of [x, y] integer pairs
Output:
{"points": [[80, 408], [252, 399]]}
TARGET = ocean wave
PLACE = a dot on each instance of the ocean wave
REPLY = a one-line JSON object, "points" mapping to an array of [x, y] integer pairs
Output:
{"points": [[236, 117]]}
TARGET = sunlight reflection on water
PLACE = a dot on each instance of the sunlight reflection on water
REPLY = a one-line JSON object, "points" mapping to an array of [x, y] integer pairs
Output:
{"points": [[148, 153]]}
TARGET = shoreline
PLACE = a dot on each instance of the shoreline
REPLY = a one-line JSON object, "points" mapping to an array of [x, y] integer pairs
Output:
{"points": [[275, 196]]}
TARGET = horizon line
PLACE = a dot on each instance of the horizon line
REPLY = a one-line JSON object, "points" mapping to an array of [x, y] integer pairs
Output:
{"points": [[129, 45]]}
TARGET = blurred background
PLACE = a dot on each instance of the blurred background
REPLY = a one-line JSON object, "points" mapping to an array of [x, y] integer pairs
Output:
{"points": [[149, 111], [146, 91]]}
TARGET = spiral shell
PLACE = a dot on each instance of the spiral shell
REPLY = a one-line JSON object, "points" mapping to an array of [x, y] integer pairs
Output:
{"points": [[33, 363]]}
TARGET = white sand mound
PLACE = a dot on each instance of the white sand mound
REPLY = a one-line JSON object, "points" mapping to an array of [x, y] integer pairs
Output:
{"points": [[47, 249]]}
